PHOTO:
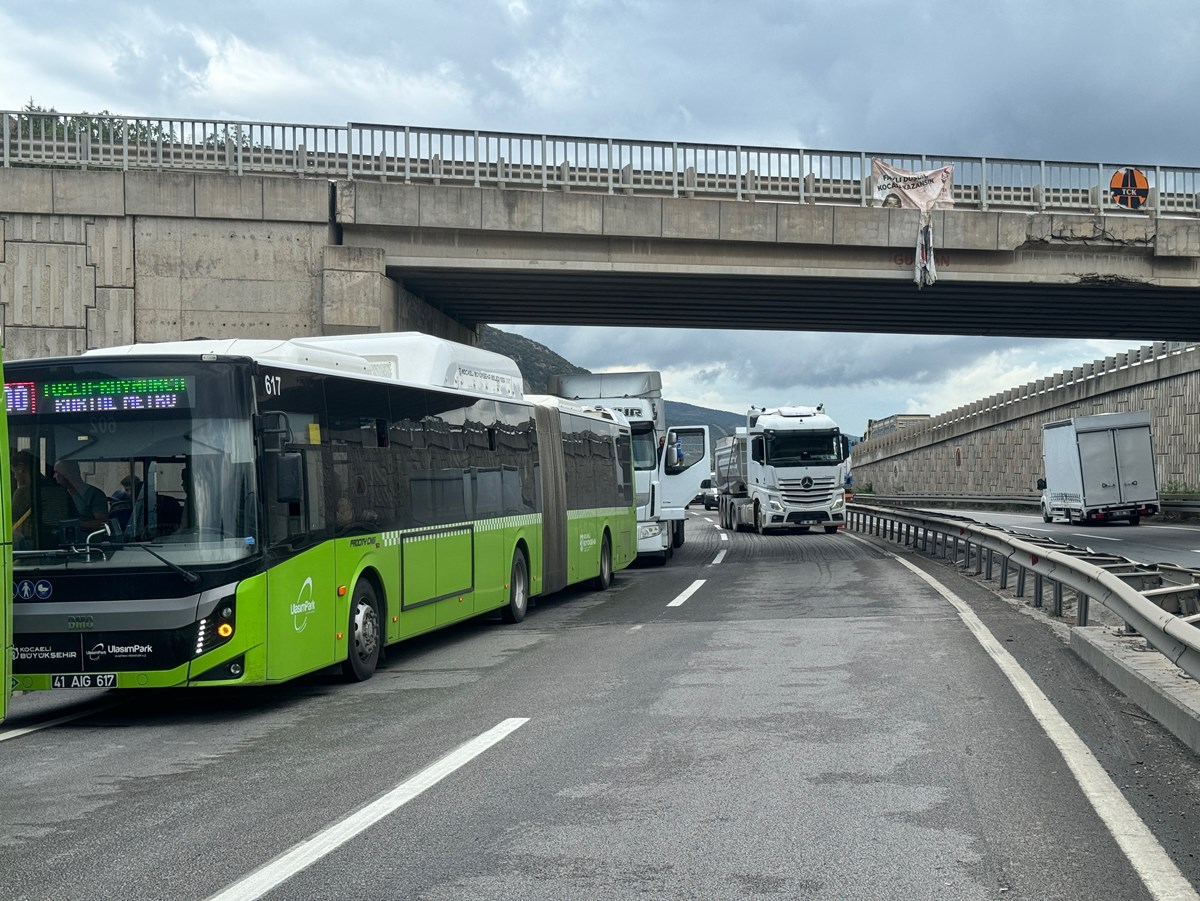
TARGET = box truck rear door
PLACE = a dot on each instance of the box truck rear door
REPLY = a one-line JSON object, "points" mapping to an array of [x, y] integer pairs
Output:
{"points": [[1135, 465], [1098, 460]]}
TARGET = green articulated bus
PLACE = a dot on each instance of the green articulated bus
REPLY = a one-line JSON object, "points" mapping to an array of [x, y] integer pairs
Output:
{"points": [[6, 524], [242, 512]]}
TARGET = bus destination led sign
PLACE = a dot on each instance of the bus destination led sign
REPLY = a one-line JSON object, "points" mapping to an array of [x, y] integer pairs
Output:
{"points": [[100, 395]]}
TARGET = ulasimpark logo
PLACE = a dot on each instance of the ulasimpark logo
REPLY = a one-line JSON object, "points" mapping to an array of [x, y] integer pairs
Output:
{"points": [[304, 606]]}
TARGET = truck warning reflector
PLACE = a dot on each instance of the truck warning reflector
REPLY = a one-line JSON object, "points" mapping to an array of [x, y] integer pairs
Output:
{"points": [[1129, 188]]}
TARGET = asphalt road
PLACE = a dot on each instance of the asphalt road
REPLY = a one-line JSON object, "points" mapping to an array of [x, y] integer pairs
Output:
{"points": [[778, 716]]}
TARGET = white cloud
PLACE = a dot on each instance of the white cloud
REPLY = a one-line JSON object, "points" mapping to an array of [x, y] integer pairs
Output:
{"points": [[766, 72]]}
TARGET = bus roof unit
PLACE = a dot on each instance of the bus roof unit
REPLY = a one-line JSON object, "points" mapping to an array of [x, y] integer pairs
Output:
{"points": [[409, 357]]}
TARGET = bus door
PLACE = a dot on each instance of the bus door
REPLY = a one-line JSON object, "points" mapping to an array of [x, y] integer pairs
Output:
{"points": [[303, 611]]}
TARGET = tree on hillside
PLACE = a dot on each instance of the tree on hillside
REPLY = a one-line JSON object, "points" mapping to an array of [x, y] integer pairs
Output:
{"points": [[46, 124]]}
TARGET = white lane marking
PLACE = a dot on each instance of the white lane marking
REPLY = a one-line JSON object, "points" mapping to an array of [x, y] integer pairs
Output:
{"points": [[687, 593], [37, 727], [724, 536], [1156, 870], [717, 559], [1097, 537], [308, 852], [638, 626]]}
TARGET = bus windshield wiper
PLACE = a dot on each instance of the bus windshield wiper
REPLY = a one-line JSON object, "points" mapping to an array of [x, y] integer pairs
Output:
{"points": [[190, 577]]}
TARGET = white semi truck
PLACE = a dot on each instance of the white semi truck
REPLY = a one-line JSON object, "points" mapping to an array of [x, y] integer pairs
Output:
{"points": [[669, 463], [1099, 468], [785, 470]]}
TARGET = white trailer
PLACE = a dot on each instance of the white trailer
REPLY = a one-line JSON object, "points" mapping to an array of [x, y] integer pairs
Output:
{"points": [[1099, 468], [669, 462], [785, 470]]}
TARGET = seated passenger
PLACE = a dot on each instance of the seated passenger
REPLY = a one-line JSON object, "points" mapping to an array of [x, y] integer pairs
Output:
{"points": [[22, 499], [89, 502], [120, 505]]}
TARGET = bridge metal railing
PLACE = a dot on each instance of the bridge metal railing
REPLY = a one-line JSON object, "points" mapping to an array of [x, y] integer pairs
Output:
{"points": [[421, 155], [1160, 602]]}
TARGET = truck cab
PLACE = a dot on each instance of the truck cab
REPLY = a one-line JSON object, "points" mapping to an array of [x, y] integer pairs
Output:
{"points": [[669, 462]]}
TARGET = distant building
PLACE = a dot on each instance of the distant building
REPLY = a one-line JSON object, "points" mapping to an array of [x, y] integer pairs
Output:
{"points": [[877, 428]]}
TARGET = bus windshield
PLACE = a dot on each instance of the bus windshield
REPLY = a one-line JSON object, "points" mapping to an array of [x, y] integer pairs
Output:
{"points": [[123, 486]]}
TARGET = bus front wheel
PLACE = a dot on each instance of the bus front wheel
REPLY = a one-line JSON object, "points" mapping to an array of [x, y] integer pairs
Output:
{"points": [[518, 590], [365, 638]]}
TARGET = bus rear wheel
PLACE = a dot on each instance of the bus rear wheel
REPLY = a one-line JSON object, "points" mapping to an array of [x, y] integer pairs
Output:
{"points": [[366, 640], [604, 579], [518, 590]]}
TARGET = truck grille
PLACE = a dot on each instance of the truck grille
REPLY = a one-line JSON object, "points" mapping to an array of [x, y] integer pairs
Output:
{"points": [[807, 491]]}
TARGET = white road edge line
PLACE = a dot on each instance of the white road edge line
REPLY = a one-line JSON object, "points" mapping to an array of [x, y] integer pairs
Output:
{"points": [[687, 593], [1099, 537], [300, 856], [37, 727], [717, 559], [1157, 871]]}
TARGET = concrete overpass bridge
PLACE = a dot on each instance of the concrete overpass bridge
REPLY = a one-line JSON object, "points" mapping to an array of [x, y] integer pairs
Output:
{"points": [[116, 229]]}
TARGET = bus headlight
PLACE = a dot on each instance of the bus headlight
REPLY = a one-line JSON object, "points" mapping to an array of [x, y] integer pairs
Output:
{"points": [[217, 628]]}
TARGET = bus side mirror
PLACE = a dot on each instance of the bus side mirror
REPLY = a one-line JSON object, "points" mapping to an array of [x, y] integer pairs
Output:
{"points": [[1041, 484], [289, 478]]}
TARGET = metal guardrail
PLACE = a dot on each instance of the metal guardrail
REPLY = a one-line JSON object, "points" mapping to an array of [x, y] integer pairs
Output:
{"points": [[562, 162], [1179, 504], [1161, 602]]}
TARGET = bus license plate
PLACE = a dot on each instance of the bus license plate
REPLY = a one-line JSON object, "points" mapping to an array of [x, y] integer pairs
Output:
{"points": [[84, 680]]}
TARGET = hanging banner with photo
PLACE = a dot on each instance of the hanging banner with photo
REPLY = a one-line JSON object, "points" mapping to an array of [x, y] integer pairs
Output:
{"points": [[923, 191]]}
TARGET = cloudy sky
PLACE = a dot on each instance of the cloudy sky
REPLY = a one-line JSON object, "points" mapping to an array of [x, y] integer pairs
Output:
{"points": [[1041, 79]]}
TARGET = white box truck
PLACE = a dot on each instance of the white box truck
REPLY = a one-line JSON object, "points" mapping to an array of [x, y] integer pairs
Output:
{"points": [[1098, 468], [669, 462]]}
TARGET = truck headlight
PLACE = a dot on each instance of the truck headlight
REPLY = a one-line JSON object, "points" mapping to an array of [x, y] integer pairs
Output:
{"points": [[649, 530], [839, 502], [776, 506]]}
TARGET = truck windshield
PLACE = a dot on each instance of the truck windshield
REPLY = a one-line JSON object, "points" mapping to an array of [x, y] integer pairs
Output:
{"points": [[803, 448], [645, 446]]}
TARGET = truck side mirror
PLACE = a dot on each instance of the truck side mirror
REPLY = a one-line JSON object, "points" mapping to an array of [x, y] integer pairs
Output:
{"points": [[1041, 484]]}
